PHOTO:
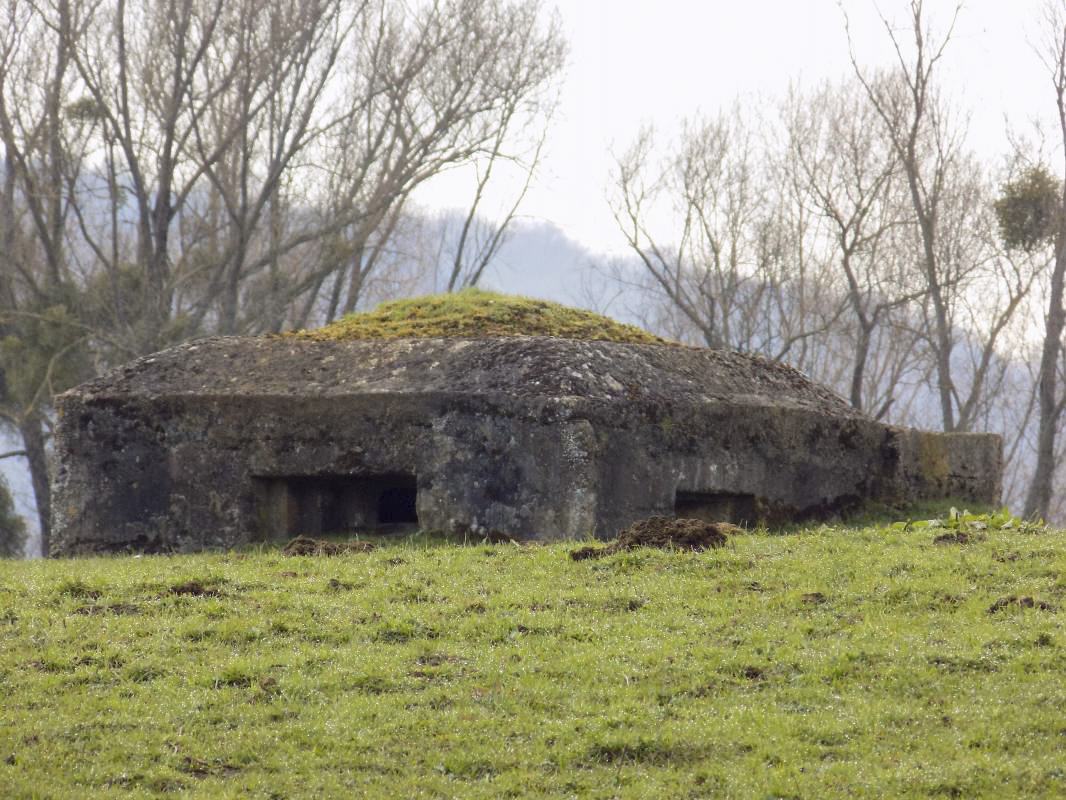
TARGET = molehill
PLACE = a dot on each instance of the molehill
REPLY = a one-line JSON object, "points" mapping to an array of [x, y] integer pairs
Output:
{"points": [[479, 414]]}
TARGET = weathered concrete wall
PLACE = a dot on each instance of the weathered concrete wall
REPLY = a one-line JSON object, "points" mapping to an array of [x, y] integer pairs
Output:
{"points": [[227, 441]]}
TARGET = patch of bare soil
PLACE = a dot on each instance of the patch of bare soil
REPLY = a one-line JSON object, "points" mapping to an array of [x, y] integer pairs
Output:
{"points": [[1013, 601], [958, 537], [306, 546], [113, 608], [193, 589], [266, 689], [664, 533], [201, 768], [437, 659]]}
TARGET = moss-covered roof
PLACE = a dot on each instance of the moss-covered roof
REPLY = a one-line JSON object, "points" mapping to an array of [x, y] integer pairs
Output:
{"points": [[474, 313]]}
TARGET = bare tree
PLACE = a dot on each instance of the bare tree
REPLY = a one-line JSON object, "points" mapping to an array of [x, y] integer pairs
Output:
{"points": [[1051, 398], [927, 146], [141, 68], [460, 84], [288, 55], [950, 208], [850, 176], [271, 145], [479, 239], [41, 342], [719, 238]]}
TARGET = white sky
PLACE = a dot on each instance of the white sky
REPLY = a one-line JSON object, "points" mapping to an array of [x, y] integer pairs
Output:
{"points": [[635, 61]]}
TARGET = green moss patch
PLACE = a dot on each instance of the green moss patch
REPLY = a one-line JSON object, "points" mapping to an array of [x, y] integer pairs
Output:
{"points": [[474, 313]]}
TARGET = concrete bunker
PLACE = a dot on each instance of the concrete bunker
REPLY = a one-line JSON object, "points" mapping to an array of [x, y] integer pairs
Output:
{"points": [[231, 440]]}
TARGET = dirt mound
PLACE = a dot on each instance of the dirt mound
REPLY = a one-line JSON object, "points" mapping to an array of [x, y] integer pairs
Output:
{"points": [[113, 608], [306, 546], [664, 533], [194, 589], [958, 537], [1013, 601]]}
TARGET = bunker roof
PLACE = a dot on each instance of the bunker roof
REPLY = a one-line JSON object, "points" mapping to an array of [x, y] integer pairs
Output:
{"points": [[488, 352]]}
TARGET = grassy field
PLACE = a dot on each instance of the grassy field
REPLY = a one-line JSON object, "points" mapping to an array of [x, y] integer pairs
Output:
{"points": [[828, 662]]}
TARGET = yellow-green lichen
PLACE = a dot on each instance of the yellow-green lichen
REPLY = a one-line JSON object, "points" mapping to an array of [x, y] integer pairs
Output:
{"points": [[933, 463], [476, 313]]}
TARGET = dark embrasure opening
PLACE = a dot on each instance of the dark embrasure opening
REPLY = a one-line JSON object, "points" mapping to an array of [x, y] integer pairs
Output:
{"points": [[309, 505], [397, 505], [739, 509]]}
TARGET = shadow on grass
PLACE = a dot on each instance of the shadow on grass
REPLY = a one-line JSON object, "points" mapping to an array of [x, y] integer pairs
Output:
{"points": [[866, 516], [420, 540]]}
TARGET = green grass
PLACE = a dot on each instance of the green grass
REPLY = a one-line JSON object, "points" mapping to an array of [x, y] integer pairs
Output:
{"points": [[829, 662], [476, 313]]}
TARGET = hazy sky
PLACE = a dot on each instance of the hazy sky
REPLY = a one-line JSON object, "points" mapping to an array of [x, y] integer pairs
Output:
{"points": [[634, 62]]}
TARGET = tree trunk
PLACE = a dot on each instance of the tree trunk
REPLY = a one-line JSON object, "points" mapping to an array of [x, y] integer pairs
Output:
{"points": [[862, 352], [33, 439], [942, 332], [1038, 501]]}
